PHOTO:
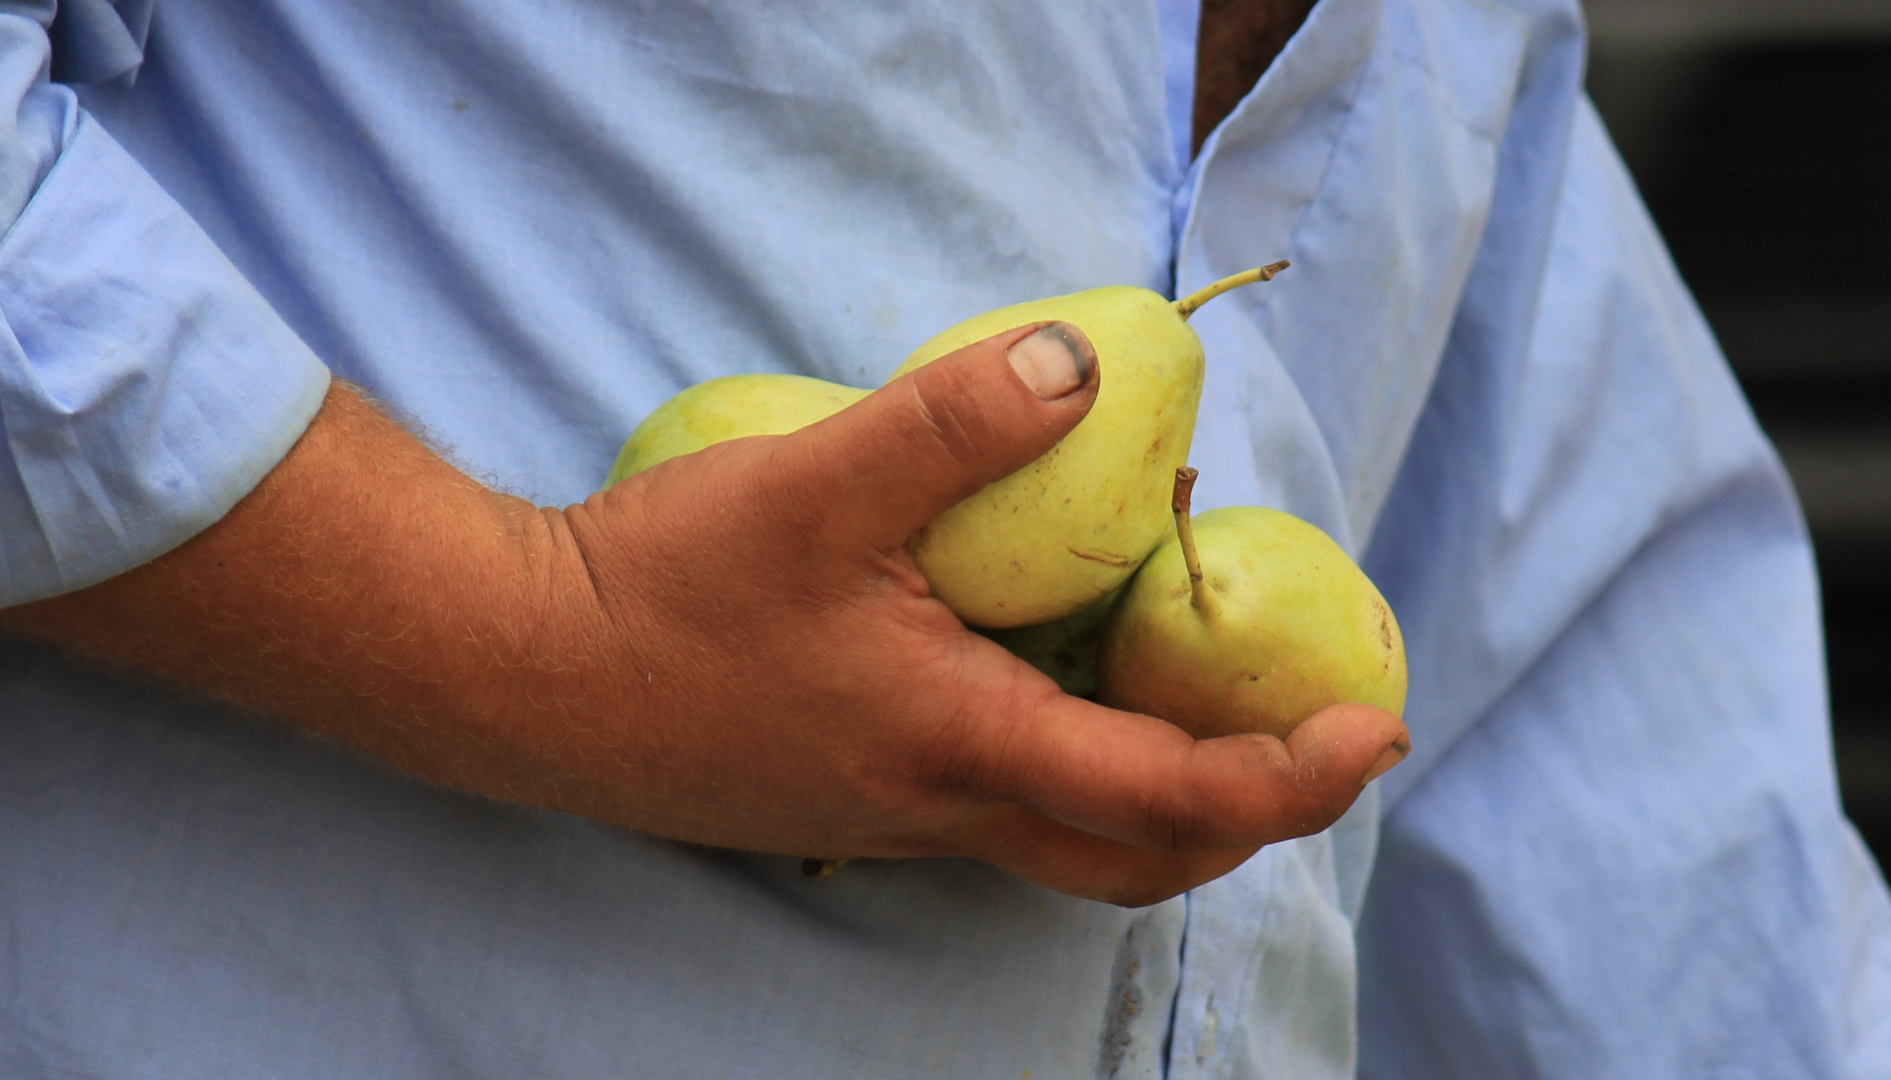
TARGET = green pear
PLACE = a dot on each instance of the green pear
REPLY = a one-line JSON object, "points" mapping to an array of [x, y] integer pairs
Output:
{"points": [[1065, 649], [1059, 534], [1248, 620], [731, 407]]}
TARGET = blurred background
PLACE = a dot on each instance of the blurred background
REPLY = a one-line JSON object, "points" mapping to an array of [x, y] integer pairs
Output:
{"points": [[1759, 132]]}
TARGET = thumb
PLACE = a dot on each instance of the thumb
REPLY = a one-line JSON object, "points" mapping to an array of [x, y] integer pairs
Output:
{"points": [[931, 438]]}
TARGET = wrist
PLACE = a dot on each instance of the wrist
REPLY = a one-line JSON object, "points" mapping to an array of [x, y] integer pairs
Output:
{"points": [[515, 667]]}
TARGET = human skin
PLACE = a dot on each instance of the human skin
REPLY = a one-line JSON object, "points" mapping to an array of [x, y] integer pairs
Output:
{"points": [[732, 648], [1236, 42]]}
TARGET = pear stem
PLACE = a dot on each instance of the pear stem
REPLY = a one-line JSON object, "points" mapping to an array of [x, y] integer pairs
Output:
{"points": [[1204, 598], [1187, 305]]}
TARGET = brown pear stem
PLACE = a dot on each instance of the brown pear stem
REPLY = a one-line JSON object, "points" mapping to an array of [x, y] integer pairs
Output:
{"points": [[1207, 604], [1187, 305]]}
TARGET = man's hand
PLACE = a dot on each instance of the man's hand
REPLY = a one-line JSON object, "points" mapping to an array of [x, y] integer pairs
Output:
{"points": [[732, 648]]}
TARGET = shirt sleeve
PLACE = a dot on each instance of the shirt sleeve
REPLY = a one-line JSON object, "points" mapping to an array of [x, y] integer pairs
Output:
{"points": [[145, 386], [1629, 858]]}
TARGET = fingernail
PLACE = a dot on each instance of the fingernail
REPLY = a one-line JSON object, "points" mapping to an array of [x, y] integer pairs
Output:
{"points": [[1392, 756], [1053, 360]]}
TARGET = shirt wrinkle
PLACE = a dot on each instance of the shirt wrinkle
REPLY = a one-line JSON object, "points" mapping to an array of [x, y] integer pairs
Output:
{"points": [[528, 225]]}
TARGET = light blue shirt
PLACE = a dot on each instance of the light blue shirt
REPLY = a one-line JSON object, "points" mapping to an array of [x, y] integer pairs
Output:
{"points": [[1616, 851]]}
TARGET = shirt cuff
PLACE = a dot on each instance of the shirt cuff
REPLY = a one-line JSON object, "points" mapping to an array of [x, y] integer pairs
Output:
{"points": [[145, 386]]}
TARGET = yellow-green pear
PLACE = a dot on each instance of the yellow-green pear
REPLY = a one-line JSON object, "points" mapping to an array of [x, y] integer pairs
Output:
{"points": [[1249, 620], [731, 407], [1065, 649], [1062, 532]]}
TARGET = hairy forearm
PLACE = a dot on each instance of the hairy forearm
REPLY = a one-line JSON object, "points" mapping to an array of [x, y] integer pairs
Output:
{"points": [[366, 589]]}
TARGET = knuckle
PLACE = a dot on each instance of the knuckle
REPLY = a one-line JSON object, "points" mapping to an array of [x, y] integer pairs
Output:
{"points": [[949, 417], [1175, 825], [1193, 817]]}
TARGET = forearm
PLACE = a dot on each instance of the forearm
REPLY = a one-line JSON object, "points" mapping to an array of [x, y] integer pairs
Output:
{"points": [[733, 648], [366, 589]]}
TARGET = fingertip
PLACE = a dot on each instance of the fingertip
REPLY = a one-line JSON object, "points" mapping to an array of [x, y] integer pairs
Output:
{"points": [[1351, 739], [1054, 361], [1396, 751], [945, 429]]}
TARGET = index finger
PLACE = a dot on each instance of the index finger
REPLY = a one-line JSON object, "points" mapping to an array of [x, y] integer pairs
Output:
{"points": [[1144, 782]]}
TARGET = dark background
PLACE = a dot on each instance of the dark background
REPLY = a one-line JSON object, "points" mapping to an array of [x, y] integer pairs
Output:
{"points": [[1759, 132]]}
